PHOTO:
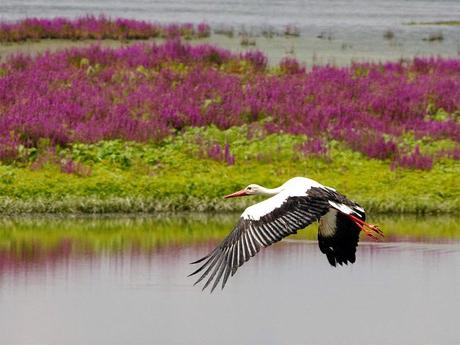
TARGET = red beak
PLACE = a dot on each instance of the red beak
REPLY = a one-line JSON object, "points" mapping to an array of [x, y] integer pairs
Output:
{"points": [[236, 194]]}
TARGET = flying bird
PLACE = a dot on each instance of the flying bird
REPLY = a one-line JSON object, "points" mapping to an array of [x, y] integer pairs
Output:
{"points": [[291, 207]]}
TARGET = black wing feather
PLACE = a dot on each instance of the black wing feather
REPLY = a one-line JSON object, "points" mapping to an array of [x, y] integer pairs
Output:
{"points": [[249, 236]]}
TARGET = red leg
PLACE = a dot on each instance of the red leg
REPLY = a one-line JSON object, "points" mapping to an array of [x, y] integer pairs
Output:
{"points": [[370, 230]]}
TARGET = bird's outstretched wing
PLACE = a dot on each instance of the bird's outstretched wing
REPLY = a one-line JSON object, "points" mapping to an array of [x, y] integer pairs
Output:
{"points": [[260, 226]]}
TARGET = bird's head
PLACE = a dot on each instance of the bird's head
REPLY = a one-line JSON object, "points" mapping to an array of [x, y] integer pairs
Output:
{"points": [[252, 189]]}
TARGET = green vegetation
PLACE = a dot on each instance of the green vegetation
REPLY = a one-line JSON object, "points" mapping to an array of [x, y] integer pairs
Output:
{"points": [[186, 173], [442, 22]]}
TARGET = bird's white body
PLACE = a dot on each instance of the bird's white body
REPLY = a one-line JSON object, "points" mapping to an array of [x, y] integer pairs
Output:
{"points": [[296, 186]]}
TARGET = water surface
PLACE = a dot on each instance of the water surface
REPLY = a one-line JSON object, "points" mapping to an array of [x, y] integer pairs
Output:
{"points": [[356, 14], [123, 280], [332, 32]]}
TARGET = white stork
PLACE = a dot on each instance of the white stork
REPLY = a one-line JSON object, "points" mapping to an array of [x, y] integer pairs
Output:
{"points": [[296, 204]]}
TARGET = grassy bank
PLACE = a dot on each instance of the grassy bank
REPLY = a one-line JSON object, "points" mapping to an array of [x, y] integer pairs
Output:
{"points": [[193, 170], [442, 22], [174, 127]]}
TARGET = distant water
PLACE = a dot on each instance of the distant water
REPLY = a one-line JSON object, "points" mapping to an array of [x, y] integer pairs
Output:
{"points": [[308, 14], [348, 30]]}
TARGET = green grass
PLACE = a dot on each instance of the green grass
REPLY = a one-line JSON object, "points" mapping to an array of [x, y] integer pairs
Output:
{"points": [[441, 22], [178, 175]]}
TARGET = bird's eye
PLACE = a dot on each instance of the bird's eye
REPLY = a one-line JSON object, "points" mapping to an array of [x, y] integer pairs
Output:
{"points": [[249, 188]]}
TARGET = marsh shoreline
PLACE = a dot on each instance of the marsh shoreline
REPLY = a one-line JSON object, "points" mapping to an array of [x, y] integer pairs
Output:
{"points": [[311, 49]]}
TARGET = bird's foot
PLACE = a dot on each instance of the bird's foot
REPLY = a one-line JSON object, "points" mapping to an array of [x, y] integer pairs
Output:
{"points": [[371, 230]]}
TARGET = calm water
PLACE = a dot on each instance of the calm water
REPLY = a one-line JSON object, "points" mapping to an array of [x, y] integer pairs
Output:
{"points": [[306, 13], [350, 30], [123, 281]]}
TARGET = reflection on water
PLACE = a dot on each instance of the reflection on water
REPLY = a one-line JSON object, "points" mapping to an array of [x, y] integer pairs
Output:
{"points": [[123, 280]]}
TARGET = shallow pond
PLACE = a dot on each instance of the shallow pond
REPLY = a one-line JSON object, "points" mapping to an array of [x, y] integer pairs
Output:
{"points": [[123, 280], [331, 32]]}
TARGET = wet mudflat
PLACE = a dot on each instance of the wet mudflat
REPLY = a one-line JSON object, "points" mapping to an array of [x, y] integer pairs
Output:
{"points": [[123, 280]]}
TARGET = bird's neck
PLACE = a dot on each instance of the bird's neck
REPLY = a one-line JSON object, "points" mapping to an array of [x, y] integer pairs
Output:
{"points": [[270, 191]]}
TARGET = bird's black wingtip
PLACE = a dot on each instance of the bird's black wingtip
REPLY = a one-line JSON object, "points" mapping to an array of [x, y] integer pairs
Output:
{"points": [[197, 271], [199, 260]]}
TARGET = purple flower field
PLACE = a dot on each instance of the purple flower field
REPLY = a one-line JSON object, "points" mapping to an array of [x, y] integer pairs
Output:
{"points": [[92, 27], [146, 92]]}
